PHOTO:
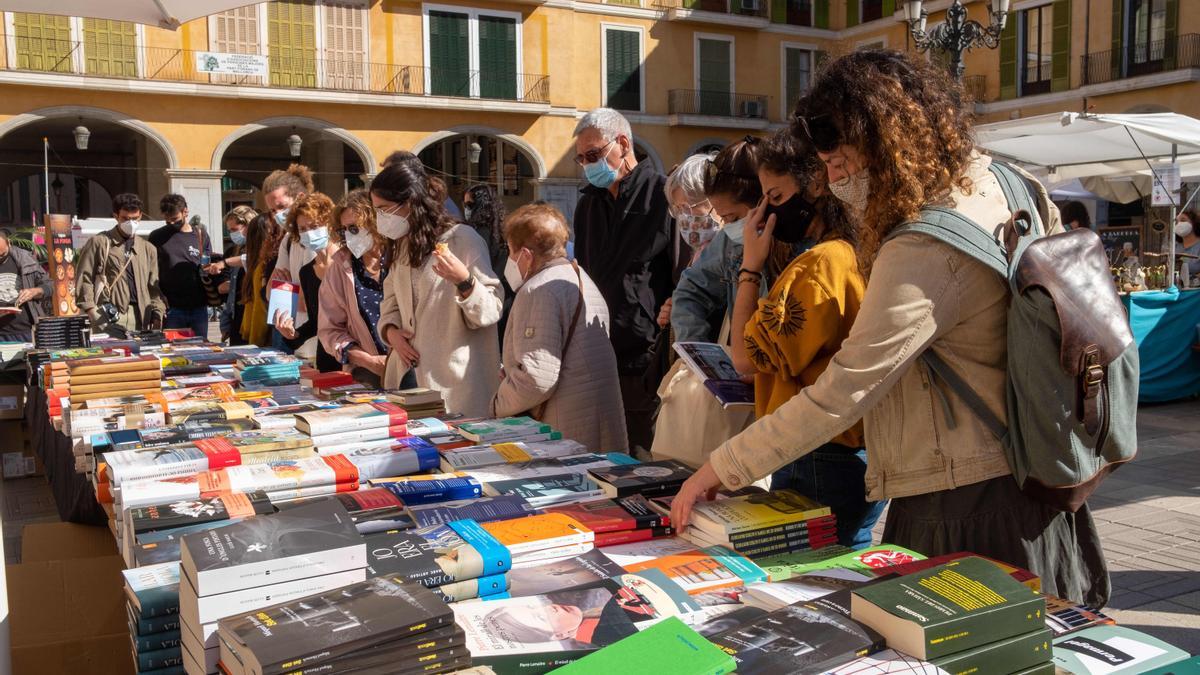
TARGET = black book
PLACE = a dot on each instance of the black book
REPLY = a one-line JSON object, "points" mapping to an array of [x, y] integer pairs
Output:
{"points": [[305, 632], [372, 510], [298, 543], [191, 430], [195, 511], [421, 654], [652, 479], [807, 637]]}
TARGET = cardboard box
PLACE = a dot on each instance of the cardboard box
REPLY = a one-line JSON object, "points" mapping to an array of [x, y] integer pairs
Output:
{"points": [[12, 401], [42, 542], [68, 616]]}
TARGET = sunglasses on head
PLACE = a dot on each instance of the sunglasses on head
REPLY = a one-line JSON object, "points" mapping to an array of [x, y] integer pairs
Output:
{"points": [[821, 131]]}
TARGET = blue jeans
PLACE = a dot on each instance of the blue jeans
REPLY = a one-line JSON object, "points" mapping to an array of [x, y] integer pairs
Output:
{"points": [[833, 476], [196, 319]]}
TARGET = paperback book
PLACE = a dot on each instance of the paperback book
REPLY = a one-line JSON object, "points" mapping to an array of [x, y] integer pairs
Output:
{"points": [[650, 479], [438, 555], [1112, 649], [713, 365], [482, 510], [613, 515], [153, 591], [546, 491], [539, 532], [669, 646], [351, 418]]}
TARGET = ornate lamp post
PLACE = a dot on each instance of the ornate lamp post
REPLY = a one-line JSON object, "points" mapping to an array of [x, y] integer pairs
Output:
{"points": [[958, 33]]}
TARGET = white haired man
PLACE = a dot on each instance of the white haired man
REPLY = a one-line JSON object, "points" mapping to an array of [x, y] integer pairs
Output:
{"points": [[624, 240]]}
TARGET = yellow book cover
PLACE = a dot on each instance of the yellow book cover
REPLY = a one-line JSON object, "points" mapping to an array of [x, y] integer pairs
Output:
{"points": [[723, 517]]}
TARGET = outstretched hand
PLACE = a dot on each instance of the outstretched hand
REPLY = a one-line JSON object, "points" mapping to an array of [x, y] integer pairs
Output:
{"points": [[703, 484]]}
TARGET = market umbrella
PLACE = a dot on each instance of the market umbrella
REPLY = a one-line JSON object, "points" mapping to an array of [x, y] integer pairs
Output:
{"points": [[163, 13]]}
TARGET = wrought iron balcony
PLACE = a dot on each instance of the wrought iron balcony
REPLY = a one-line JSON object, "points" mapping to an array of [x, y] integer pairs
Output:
{"points": [[717, 108], [733, 12], [1158, 56]]}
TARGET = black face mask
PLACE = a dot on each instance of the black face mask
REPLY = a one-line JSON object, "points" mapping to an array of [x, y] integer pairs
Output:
{"points": [[792, 218]]}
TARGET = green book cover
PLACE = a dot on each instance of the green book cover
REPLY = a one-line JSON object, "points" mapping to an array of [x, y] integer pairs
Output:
{"points": [[1112, 649], [1018, 653], [1046, 668], [668, 646], [949, 608], [1189, 667], [870, 560]]}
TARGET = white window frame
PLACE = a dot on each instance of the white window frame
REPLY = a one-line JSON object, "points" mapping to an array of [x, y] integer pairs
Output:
{"points": [[785, 104], [876, 40], [1023, 37], [697, 37], [78, 63], [641, 31], [263, 49], [473, 15]]}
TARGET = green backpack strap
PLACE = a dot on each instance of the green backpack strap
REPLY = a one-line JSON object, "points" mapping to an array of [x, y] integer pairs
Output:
{"points": [[955, 229]]}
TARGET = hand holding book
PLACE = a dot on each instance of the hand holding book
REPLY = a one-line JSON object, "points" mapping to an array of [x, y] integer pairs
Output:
{"points": [[703, 483]]}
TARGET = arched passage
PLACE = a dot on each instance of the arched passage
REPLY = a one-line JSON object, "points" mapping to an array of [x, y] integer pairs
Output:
{"points": [[505, 161]]}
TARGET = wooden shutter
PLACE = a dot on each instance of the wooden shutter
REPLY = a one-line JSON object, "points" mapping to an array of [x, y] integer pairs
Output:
{"points": [[889, 8], [1171, 37], [109, 48], [292, 44], [497, 57], [623, 60], [1060, 64], [779, 11], [449, 54], [715, 87], [821, 13], [344, 57], [797, 71], [237, 32], [43, 42], [1008, 58], [851, 13], [1118, 37]]}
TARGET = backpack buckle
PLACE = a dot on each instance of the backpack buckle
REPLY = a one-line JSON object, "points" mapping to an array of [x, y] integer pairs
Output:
{"points": [[1093, 371]]}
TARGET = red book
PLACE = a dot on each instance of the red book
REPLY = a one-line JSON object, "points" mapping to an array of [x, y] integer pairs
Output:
{"points": [[337, 378], [1020, 574], [614, 515], [630, 536]]}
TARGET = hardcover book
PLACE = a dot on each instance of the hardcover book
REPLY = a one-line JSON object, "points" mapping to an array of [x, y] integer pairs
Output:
{"points": [[724, 517], [668, 646], [438, 555], [1112, 649], [540, 532], [483, 510], [307, 541], [650, 479], [949, 608], [153, 590], [547, 490], [713, 365], [613, 515], [350, 418]]}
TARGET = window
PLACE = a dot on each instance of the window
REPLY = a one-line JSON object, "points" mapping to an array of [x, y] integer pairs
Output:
{"points": [[472, 53], [714, 74], [237, 31], [870, 10], [110, 47], [1038, 48], [800, 12], [43, 42], [1148, 32], [292, 44], [797, 69], [345, 42], [623, 68]]}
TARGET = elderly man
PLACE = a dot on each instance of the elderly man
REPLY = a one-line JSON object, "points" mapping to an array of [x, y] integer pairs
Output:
{"points": [[623, 239], [24, 288]]}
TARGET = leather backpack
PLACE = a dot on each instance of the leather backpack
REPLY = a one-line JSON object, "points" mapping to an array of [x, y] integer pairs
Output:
{"points": [[1072, 360]]}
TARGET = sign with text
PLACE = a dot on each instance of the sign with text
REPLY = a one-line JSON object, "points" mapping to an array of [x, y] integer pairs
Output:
{"points": [[1121, 242], [231, 64], [1165, 186]]}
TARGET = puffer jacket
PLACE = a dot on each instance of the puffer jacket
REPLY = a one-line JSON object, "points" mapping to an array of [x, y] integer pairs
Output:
{"points": [[578, 390]]}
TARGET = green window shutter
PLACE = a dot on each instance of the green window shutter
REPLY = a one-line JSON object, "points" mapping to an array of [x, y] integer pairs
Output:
{"points": [[497, 57], [1008, 58], [1171, 37], [889, 8], [449, 51], [1118, 36], [624, 76], [109, 47], [1060, 64], [797, 71], [851, 13], [292, 44], [43, 42], [821, 13], [715, 87], [779, 11]]}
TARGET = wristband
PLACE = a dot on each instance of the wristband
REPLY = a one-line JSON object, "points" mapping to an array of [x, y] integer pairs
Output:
{"points": [[746, 271], [466, 284]]}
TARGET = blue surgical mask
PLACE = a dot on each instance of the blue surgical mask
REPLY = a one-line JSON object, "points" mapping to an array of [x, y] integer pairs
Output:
{"points": [[237, 237], [599, 173], [281, 217], [315, 240]]}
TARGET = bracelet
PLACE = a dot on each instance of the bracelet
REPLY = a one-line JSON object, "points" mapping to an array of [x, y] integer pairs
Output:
{"points": [[747, 271], [757, 281], [466, 285]]}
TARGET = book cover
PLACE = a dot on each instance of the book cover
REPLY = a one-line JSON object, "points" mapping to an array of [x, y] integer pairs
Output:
{"points": [[355, 437], [546, 490], [889, 662], [310, 540], [1010, 655], [351, 418], [713, 365], [1186, 667], [402, 457], [735, 515], [1112, 649], [536, 578], [479, 456], [321, 627], [189, 431], [195, 511], [198, 610], [159, 659], [612, 515], [419, 490], [153, 590], [949, 608], [651, 479], [505, 428], [152, 625], [1022, 575], [695, 570], [441, 650], [469, 589], [539, 468], [875, 559], [629, 536], [539, 532], [1064, 616], [438, 555], [668, 646], [284, 299], [149, 643], [482, 510]]}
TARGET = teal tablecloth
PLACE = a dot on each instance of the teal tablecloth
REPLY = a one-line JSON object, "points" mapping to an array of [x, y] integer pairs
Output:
{"points": [[1164, 327]]}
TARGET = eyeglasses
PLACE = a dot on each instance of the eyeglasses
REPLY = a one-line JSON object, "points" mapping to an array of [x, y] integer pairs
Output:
{"points": [[592, 156], [821, 131], [678, 211]]}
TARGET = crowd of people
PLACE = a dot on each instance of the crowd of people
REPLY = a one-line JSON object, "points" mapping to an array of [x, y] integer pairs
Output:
{"points": [[778, 248]]}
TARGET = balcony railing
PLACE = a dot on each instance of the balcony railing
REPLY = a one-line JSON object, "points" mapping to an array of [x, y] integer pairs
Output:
{"points": [[975, 87], [755, 8], [167, 64], [1143, 59], [716, 104]]}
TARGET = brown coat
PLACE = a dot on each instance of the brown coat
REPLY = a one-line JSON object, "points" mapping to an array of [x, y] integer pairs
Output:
{"points": [[100, 267]]}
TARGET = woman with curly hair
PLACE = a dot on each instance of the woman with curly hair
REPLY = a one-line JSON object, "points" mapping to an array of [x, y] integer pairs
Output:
{"points": [[790, 335], [441, 301], [895, 136], [308, 227]]}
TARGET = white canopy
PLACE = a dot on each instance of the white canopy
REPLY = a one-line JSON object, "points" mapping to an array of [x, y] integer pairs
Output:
{"points": [[163, 13]]}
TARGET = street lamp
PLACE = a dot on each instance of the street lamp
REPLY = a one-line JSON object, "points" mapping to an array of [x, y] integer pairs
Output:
{"points": [[293, 143], [81, 137], [958, 33]]}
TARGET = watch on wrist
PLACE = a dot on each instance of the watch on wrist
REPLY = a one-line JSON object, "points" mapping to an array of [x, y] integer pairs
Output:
{"points": [[466, 284]]}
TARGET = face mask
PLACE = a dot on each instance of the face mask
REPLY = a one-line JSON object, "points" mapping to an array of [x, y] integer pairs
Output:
{"points": [[467, 211], [698, 233], [315, 240], [281, 217], [359, 243], [127, 227], [1183, 228], [854, 191], [237, 237], [512, 274], [391, 225], [792, 218], [599, 173]]}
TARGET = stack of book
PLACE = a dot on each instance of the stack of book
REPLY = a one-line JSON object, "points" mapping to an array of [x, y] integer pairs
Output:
{"points": [[962, 616], [319, 382], [419, 402], [619, 521], [258, 562], [336, 429], [113, 376], [651, 479], [545, 491], [384, 624], [763, 524], [507, 430], [62, 332], [395, 457], [458, 560], [268, 369], [542, 537], [208, 454], [371, 510], [480, 456], [284, 416], [152, 601], [138, 524]]}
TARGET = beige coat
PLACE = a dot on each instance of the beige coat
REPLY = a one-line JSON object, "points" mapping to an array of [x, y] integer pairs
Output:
{"points": [[456, 339], [579, 388], [922, 294], [101, 276]]}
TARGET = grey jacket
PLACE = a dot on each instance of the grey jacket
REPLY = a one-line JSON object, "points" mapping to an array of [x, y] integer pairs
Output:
{"points": [[33, 276]]}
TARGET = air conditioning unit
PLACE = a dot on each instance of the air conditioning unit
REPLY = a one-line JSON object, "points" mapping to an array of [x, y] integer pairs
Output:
{"points": [[752, 109], [750, 5]]}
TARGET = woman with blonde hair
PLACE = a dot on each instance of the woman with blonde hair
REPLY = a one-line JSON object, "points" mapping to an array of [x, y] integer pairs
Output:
{"points": [[308, 224]]}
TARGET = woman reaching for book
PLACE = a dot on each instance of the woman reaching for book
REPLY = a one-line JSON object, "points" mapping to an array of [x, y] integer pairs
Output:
{"points": [[558, 362], [895, 137], [441, 300]]}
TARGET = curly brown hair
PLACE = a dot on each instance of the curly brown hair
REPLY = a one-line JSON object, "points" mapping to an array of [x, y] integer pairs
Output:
{"points": [[297, 179], [358, 202], [909, 120], [405, 183], [316, 205]]}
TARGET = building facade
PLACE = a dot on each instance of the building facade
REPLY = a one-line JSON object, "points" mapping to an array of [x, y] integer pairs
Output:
{"points": [[491, 91]]}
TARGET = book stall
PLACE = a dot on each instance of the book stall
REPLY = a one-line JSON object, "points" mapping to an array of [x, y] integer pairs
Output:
{"points": [[269, 519]]}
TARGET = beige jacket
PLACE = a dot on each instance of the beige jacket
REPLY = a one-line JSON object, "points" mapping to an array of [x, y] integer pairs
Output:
{"points": [[922, 294], [455, 338], [579, 387], [102, 277]]}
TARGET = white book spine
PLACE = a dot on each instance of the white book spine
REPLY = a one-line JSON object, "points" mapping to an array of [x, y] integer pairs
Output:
{"points": [[212, 608], [279, 570]]}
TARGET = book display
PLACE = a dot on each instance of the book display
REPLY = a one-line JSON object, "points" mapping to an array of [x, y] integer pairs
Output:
{"points": [[276, 520]]}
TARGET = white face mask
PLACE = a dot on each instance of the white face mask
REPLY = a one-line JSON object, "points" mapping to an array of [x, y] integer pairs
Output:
{"points": [[391, 225], [359, 242], [512, 274], [854, 191], [127, 227], [1183, 228]]}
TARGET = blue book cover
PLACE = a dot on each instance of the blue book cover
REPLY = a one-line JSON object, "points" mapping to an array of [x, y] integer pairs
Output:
{"points": [[738, 564], [155, 589], [483, 510], [496, 557], [416, 493]]}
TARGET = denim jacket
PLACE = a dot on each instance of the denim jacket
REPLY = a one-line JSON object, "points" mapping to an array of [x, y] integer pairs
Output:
{"points": [[229, 309], [704, 297]]}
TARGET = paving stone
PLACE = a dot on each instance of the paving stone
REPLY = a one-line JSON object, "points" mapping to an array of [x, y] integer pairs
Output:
{"points": [[1127, 599], [1173, 523]]}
